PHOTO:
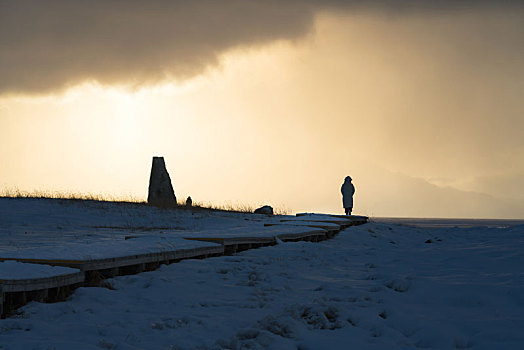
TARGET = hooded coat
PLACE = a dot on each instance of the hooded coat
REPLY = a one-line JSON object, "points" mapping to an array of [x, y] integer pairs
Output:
{"points": [[347, 193]]}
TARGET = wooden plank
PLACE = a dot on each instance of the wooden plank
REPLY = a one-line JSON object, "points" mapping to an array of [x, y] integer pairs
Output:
{"points": [[302, 235], [52, 262], [352, 218], [234, 240], [197, 252], [343, 220], [248, 240], [150, 257], [206, 239], [25, 285], [109, 263], [130, 260], [320, 225], [314, 224], [341, 223], [319, 218]]}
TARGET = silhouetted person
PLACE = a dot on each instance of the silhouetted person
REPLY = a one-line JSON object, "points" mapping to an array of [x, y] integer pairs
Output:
{"points": [[347, 195], [189, 202]]}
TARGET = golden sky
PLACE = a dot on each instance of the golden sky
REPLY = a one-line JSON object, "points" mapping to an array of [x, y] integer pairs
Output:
{"points": [[421, 104]]}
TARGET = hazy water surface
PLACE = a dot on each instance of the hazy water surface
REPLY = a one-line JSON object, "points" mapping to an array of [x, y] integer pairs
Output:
{"points": [[463, 223]]}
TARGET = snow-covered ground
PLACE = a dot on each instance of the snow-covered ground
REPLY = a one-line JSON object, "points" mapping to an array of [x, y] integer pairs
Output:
{"points": [[79, 230], [375, 286], [27, 223]]}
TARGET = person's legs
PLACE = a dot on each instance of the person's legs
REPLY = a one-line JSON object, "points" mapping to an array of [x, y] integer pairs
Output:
{"points": [[349, 210]]}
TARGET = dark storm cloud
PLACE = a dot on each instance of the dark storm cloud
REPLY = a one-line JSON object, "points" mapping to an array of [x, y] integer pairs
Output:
{"points": [[48, 45]]}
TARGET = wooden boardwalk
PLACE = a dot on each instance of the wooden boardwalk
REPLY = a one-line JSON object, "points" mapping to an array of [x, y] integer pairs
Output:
{"points": [[89, 272], [17, 292]]}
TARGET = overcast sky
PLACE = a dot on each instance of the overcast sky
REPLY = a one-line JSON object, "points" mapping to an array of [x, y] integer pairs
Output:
{"points": [[52, 44], [270, 101]]}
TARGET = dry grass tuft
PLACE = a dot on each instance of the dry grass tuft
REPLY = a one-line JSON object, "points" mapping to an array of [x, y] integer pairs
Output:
{"points": [[97, 197], [228, 206]]}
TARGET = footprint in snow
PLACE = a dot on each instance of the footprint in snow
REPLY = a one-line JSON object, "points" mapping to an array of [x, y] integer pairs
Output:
{"points": [[399, 285]]}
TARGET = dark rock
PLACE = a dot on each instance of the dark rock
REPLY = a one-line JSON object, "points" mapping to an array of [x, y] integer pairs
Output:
{"points": [[161, 191], [266, 209]]}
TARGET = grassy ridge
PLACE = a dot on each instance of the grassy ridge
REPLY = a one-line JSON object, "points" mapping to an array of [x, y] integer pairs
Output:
{"points": [[131, 199]]}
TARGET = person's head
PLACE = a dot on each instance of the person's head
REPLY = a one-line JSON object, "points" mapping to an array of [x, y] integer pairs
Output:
{"points": [[348, 179]]}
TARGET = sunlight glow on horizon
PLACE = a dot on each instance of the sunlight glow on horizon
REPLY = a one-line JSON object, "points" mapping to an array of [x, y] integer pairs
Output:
{"points": [[283, 124]]}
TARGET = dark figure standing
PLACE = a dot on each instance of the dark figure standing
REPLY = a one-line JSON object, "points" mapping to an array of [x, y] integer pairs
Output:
{"points": [[348, 190]]}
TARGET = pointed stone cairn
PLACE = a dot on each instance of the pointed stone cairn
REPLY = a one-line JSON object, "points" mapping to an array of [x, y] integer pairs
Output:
{"points": [[161, 191]]}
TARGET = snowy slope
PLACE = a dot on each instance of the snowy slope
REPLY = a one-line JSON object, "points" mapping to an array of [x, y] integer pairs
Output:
{"points": [[64, 229], [376, 286]]}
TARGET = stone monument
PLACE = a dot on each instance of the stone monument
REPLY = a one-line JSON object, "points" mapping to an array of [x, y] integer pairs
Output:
{"points": [[161, 191]]}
